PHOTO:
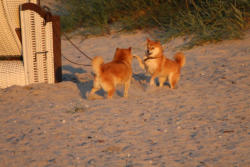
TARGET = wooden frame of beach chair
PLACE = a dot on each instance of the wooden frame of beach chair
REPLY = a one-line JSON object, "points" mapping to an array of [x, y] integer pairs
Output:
{"points": [[19, 64], [41, 44]]}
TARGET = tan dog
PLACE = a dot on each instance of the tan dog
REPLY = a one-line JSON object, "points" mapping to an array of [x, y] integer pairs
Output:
{"points": [[118, 71], [157, 65]]}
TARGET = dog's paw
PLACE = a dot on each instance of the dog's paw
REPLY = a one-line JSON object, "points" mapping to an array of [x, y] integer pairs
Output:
{"points": [[152, 83], [125, 96], [91, 96]]}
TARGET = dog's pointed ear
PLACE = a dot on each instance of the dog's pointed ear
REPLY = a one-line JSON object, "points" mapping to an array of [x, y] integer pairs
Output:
{"points": [[148, 40], [130, 49]]}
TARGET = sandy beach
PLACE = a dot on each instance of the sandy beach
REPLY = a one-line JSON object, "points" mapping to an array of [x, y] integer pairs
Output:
{"points": [[205, 122]]}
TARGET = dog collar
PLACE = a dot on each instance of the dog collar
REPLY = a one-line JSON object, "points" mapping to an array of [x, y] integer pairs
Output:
{"points": [[148, 58]]}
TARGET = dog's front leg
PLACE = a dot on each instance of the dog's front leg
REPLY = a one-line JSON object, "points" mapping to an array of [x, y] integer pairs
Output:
{"points": [[152, 80], [140, 61]]}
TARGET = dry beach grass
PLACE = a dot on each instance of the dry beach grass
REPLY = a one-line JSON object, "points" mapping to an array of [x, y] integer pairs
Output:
{"points": [[204, 122]]}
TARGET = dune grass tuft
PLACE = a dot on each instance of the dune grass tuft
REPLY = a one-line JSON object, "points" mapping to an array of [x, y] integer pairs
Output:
{"points": [[205, 20]]}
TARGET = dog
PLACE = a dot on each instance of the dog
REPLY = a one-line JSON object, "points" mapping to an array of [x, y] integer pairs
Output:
{"points": [[157, 65], [118, 71]]}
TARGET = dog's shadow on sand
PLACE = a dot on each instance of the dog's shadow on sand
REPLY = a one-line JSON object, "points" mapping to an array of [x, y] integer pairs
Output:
{"points": [[84, 82], [144, 80], [71, 76]]}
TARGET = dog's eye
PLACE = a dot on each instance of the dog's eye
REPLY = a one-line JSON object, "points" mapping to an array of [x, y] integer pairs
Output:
{"points": [[152, 47]]}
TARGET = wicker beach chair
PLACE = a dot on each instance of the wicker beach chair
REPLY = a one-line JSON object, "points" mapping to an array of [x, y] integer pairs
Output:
{"points": [[30, 45], [11, 73]]}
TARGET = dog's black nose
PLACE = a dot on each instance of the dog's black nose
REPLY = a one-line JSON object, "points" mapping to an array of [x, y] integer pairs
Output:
{"points": [[147, 52]]}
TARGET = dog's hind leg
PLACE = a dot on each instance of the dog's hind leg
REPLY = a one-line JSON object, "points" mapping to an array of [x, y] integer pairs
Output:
{"points": [[111, 93], [173, 79], [108, 85], [96, 86], [126, 87]]}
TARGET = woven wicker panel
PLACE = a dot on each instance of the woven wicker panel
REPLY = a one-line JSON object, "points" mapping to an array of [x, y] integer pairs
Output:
{"points": [[8, 43], [11, 73], [9, 19], [12, 8], [32, 1], [50, 55], [37, 48]]}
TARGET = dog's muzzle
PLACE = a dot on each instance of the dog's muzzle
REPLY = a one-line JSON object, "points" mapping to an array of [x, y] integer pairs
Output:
{"points": [[147, 53]]}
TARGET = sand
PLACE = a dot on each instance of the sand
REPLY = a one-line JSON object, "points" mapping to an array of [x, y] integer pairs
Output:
{"points": [[205, 122]]}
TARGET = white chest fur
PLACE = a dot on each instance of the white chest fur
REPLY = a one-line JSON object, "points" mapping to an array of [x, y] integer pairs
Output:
{"points": [[151, 65]]}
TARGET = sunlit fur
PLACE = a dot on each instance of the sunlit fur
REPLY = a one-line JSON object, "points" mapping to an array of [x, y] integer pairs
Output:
{"points": [[157, 65], [118, 71]]}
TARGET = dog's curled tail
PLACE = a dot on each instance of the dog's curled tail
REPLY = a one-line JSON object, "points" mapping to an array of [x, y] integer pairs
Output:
{"points": [[180, 59], [96, 64]]}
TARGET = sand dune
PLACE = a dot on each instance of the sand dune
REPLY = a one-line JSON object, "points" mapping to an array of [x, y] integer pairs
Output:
{"points": [[204, 122]]}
